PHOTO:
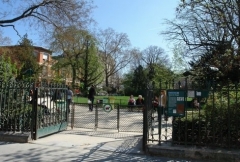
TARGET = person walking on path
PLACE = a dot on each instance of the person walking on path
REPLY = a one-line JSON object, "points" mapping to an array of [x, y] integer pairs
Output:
{"points": [[162, 105], [69, 98], [56, 96], [91, 94]]}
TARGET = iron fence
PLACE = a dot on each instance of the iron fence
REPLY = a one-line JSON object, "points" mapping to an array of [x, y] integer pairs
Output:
{"points": [[215, 123], [15, 110], [120, 118]]}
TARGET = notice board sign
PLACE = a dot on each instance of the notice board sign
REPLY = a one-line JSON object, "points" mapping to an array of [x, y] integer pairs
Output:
{"points": [[176, 103]]}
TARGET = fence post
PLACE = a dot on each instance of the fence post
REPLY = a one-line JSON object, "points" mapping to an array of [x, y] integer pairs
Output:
{"points": [[35, 113], [96, 117], [160, 110], [146, 116], [145, 129], [73, 114], [118, 117]]}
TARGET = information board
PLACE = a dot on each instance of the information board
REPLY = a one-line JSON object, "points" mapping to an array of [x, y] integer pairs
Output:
{"points": [[176, 103]]}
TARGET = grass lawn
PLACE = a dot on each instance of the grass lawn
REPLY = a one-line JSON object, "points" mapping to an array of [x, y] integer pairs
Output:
{"points": [[122, 100]]}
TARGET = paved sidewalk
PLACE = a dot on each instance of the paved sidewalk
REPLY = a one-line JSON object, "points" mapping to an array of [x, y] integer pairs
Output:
{"points": [[74, 147]]}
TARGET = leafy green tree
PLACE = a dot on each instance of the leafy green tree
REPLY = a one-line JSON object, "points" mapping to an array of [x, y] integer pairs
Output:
{"points": [[127, 83], [91, 73], [78, 55], [24, 53], [139, 80], [8, 70], [210, 66], [59, 63]]}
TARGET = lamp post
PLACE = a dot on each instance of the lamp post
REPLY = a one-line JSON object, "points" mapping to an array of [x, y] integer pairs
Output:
{"points": [[64, 75], [212, 70]]}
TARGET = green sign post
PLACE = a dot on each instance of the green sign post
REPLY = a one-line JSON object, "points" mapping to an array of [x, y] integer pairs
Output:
{"points": [[176, 103]]}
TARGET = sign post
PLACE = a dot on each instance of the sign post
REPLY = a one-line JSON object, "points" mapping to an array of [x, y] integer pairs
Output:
{"points": [[107, 107], [176, 103]]}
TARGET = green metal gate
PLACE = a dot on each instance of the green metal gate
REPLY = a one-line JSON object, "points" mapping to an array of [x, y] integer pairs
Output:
{"points": [[49, 109], [27, 107]]}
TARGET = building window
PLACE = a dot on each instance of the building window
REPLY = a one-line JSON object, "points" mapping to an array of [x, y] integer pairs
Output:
{"points": [[45, 56]]}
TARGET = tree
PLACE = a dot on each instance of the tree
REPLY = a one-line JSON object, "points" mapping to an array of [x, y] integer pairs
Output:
{"points": [[23, 58], [113, 52], [79, 53], [179, 63], [215, 66], [139, 80], [55, 13], [90, 66], [8, 70], [127, 83], [202, 24], [154, 55], [155, 60], [208, 27], [24, 54], [136, 60]]}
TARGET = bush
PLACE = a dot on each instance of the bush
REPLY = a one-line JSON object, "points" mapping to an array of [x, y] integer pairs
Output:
{"points": [[216, 125]]}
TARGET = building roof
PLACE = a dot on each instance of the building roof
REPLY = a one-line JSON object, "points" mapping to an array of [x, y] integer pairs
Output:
{"points": [[35, 47]]}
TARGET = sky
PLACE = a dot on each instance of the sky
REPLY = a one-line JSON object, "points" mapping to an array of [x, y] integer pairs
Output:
{"points": [[141, 20]]}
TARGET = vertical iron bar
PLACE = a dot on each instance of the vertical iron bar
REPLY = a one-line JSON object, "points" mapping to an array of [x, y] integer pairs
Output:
{"points": [[228, 115], [145, 120], [73, 114], [145, 129], [186, 113], [35, 108], [159, 117], [118, 117], [96, 117]]}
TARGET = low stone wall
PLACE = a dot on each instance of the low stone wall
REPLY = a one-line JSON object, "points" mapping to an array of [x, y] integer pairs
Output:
{"points": [[193, 153], [15, 137]]}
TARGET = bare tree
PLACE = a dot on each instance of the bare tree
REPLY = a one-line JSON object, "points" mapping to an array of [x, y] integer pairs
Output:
{"points": [[113, 51], [154, 55], [179, 63], [203, 25], [45, 13], [136, 58], [211, 30]]}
